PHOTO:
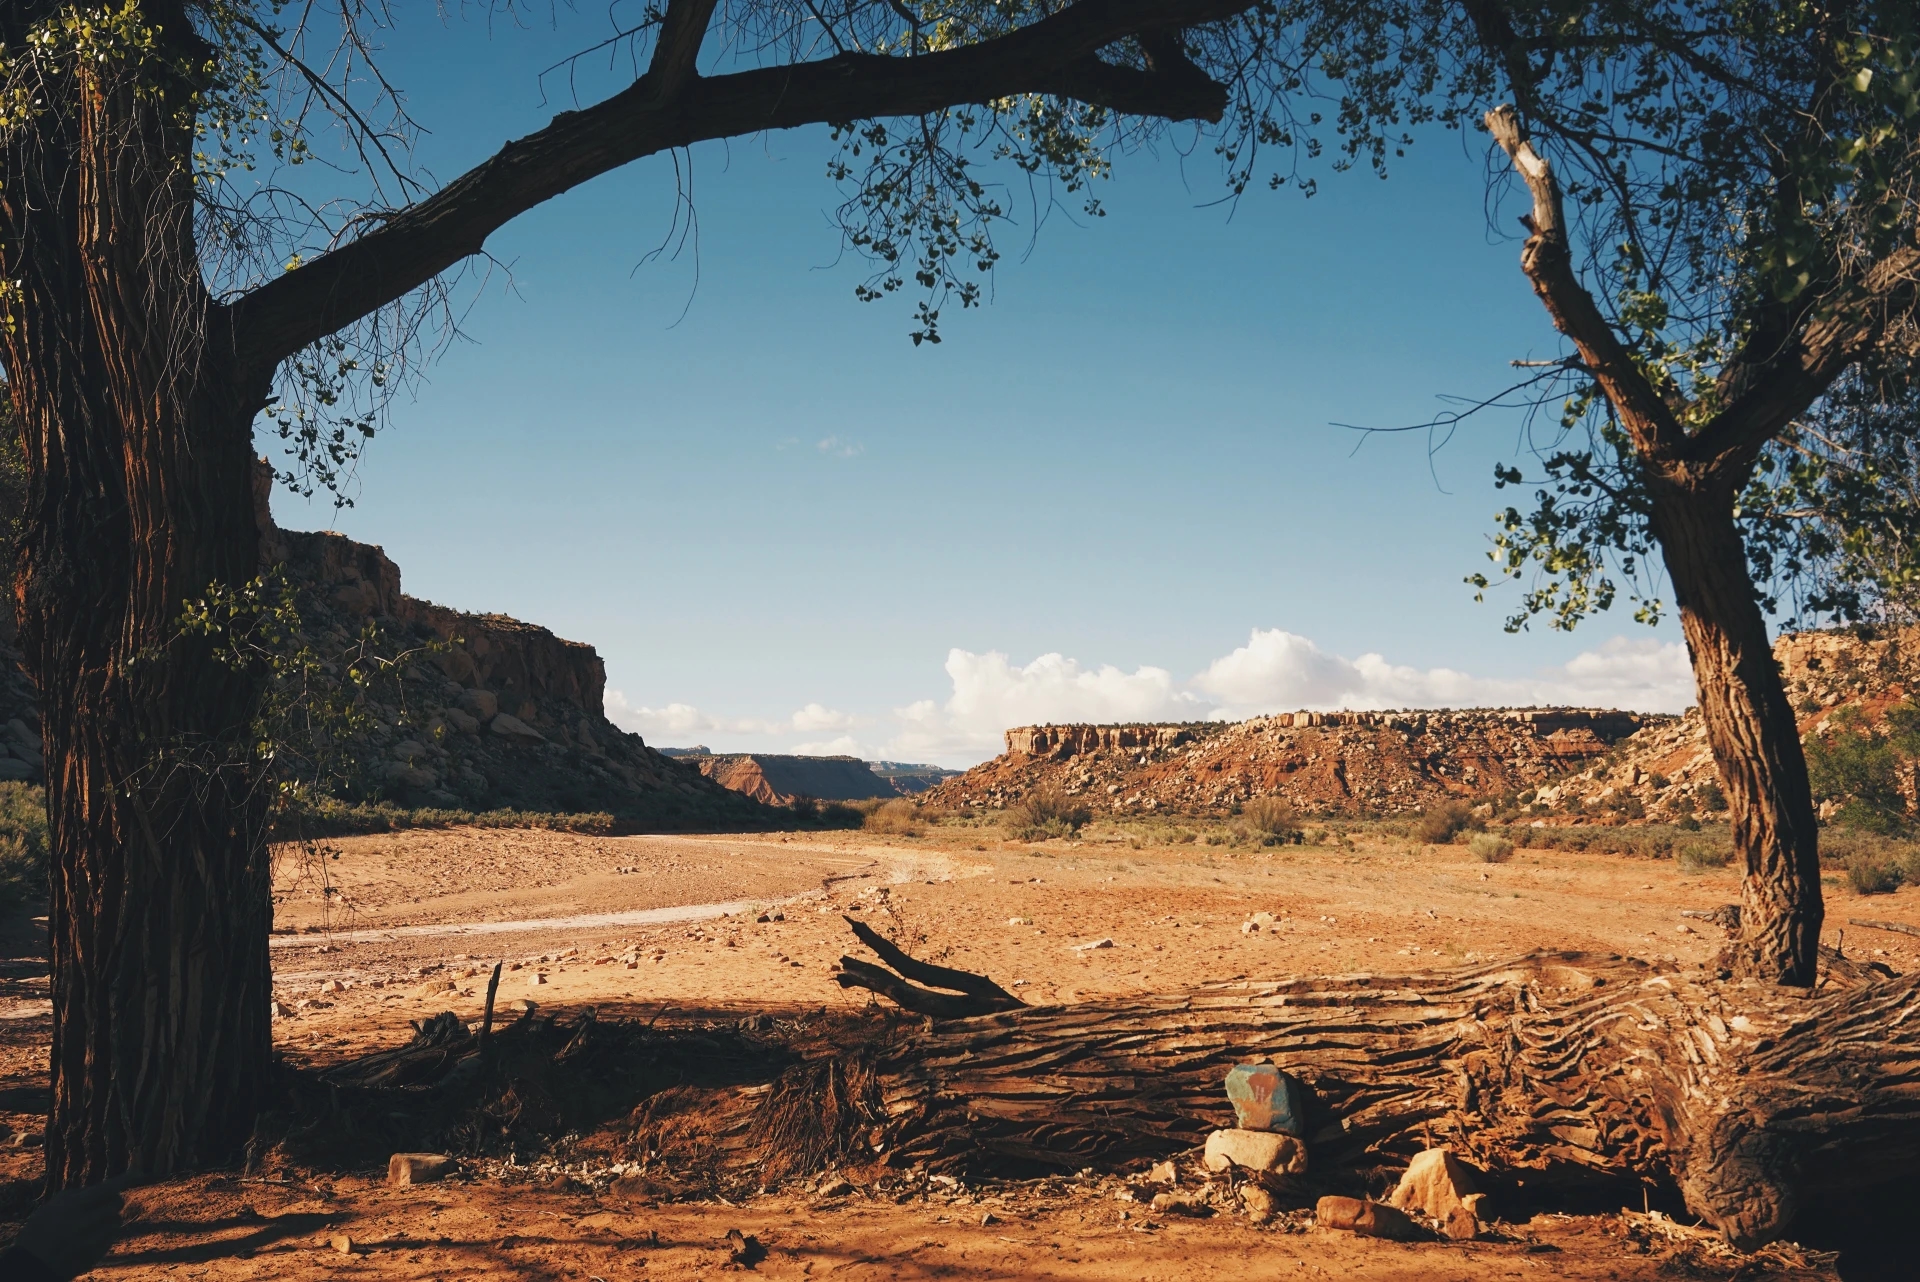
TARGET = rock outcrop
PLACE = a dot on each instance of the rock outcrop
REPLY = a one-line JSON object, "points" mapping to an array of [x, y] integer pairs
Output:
{"points": [[777, 780], [498, 714], [1324, 763]]}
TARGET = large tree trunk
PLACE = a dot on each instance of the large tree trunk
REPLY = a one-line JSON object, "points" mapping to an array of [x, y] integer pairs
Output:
{"points": [[1558, 1073], [139, 457], [1750, 726]]}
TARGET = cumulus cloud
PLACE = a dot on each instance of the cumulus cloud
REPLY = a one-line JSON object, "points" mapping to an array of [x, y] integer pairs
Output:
{"points": [[1275, 671], [1279, 671], [682, 721]]}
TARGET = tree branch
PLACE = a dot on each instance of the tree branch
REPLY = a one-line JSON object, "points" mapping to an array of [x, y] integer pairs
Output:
{"points": [[682, 32], [1055, 55], [1769, 392], [1548, 262]]}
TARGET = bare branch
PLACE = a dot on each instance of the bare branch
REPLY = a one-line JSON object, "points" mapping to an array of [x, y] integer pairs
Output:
{"points": [[1548, 263]]}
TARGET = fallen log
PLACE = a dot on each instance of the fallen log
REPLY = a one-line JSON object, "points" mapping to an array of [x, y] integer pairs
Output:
{"points": [[1894, 926], [1559, 1072]]}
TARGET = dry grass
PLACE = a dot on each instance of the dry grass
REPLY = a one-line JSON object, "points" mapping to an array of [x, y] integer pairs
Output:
{"points": [[898, 817]]}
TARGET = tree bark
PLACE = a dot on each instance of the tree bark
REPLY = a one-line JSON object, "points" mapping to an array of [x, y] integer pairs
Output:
{"points": [[138, 447], [1557, 1073], [1750, 727]]}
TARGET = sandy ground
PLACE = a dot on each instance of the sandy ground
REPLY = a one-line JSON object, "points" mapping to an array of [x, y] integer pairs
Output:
{"points": [[374, 932]]}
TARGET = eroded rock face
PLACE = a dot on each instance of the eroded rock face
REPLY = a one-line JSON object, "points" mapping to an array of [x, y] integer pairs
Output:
{"points": [[1324, 763]]}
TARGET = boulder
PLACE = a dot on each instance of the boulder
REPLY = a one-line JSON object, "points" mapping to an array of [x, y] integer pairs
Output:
{"points": [[1260, 1202], [14, 770], [511, 727], [1266, 1151], [462, 720], [1440, 1186], [418, 1168], [482, 704], [1266, 1099], [1368, 1219]]}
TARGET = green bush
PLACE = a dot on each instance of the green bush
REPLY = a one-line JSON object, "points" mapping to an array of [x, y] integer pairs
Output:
{"points": [[1443, 823], [1871, 875], [1489, 849], [1046, 814], [23, 843], [1713, 797], [1270, 821], [1862, 766]]}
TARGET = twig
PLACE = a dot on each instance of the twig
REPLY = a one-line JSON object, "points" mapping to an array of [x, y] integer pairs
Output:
{"points": [[1894, 926], [486, 1020]]}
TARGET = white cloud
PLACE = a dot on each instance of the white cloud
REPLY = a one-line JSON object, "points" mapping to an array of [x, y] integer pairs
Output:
{"points": [[840, 447], [1280, 671], [680, 721], [1275, 671]]}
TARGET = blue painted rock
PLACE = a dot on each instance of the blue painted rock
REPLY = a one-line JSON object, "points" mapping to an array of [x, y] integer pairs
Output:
{"points": [[1266, 1099]]}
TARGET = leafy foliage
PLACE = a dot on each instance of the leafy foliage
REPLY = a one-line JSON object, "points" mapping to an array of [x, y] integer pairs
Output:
{"points": [[23, 842], [1869, 769]]}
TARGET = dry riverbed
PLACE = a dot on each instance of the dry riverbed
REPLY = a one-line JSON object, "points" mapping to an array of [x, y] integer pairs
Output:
{"points": [[374, 932]]}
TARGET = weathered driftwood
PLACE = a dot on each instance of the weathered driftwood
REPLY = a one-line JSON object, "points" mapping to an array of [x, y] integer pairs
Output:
{"points": [[978, 995], [1897, 927], [1554, 1069]]}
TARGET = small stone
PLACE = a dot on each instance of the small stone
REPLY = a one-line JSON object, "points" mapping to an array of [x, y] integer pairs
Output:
{"points": [[513, 728], [1092, 944], [333, 986], [1440, 1186], [1367, 1219], [280, 1010], [418, 1168], [1266, 1099], [1259, 1202], [833, 1188], [483, 705], [536, 979], [988, 1217], [1164, 1173], [1255, 1150], [1181, 1204], [341, 1243]]}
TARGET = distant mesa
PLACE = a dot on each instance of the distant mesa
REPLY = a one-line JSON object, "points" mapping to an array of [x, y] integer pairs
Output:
{"points": [[697, 750], [910, 777], [778, 780]]}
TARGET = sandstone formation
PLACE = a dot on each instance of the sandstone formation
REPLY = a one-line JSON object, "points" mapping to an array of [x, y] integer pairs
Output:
{"points": [[1666, 772], [497, 714], [777, 780], [1323, 763]]}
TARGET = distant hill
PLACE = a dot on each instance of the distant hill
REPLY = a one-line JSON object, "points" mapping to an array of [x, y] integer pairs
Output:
{"points": [[776, 779], [910, 776], [1324, 763]]}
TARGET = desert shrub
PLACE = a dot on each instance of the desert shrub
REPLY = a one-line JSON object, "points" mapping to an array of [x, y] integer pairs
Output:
{"points": [[1489, 849], [1862, 766], [897, 817], [1873, 874], [1698, 856], [23, 842], [1041, 815], [1270, 821], [330, 817], [1443, 823], [1713, 797]]}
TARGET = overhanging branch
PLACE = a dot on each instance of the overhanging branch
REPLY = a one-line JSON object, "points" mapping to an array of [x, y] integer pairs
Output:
{"points": [[1055, 55], [1547, 260]]}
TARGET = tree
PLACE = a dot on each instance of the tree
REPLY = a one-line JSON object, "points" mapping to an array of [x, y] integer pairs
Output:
{"points": [[156, 305], [1741, 319], [164, 290]]}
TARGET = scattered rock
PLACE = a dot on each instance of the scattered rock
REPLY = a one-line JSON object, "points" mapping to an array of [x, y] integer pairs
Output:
{"points": [[1259, 1201], [1367, 1219], [513, 728], [482, 705], [1164, 1173], [1181, 1204], [536, 979], [462, 720], [1440, 1186], [418, 1168], [341, 1243], [1092, 944], [1266, 1099], [987, 1218], [744, 1249], [1265, 1151]]}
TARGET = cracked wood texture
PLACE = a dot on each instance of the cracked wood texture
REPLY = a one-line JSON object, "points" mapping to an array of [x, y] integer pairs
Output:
{"points": [[1558, 1071]]}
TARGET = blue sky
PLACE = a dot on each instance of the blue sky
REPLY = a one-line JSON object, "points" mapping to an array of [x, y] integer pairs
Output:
{"points": [[1115, 491]]}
